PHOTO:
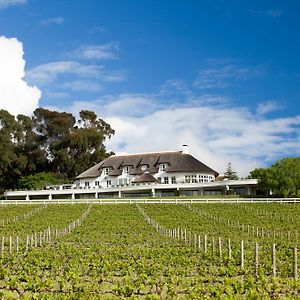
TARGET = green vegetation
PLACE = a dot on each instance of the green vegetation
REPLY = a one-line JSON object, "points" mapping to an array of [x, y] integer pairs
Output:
{"points": [[281, 179], [49, 142], [230, 174], [38, 181], [114, 253]]}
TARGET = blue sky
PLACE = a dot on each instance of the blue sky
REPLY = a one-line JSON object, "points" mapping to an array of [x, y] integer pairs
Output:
{"points": [[222, 76]]}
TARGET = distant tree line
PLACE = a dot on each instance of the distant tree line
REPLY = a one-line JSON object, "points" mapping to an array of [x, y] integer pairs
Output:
{"points": [[49, 147], [282, 179]]}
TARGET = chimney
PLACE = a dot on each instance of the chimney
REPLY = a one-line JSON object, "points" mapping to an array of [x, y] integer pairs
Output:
{"points": [[185, 149]]}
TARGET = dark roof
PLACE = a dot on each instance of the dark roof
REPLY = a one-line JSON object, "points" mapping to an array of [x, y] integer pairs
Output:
{"points": [[176, 161], [146, 177], [136, 171], [91, 172], [188, 163], [116, 172]]}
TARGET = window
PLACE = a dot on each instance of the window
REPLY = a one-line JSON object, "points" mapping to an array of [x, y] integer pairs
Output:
{"points": [[194, 179], [159, 179], [97, 183], [173, 179], [187, 178], [108, 183], [166, 180], [143, 167], [162, 167], [191, 179], [86, 184], [105, 171], [126, 170]]}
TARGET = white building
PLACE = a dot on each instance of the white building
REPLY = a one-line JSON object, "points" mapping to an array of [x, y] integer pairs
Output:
{"points": [[174, 173], [161, 167]]}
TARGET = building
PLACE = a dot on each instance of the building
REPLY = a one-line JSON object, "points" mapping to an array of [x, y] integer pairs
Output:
{"points": [[160, 167], [159, 174]]}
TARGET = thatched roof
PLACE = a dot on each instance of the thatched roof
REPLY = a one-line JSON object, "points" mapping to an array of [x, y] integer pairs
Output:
{"points": [[176, 162], [144, 178]]}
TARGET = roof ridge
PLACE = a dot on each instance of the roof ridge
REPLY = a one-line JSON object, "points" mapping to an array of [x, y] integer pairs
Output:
{"points": [[141, 153]]}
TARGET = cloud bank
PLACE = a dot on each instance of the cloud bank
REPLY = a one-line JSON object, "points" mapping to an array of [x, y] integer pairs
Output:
{"points": [[216, 134], [16, 96], [5, 3]]}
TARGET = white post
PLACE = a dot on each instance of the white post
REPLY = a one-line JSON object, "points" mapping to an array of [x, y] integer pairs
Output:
{"points": [[256, 258], [242, 254], [2, 245], [295, 264], [274, 259]]}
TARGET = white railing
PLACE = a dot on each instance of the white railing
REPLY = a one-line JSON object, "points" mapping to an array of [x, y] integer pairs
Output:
{"points": [[151, 201]]}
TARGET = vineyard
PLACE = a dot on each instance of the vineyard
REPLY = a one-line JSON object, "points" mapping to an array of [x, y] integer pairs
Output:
{"points": [[150, 251]]}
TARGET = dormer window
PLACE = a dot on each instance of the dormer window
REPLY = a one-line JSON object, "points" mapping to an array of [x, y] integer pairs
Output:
{"points": [[105, 171], [162, 167], [126, 170], [143, 167]]}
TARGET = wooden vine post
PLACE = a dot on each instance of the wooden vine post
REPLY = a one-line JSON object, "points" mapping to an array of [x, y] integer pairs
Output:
{"points": [[229, 249], [256, 258], [274, 259], [242, 255], [2, 245], [295, 264], [220, 247]]}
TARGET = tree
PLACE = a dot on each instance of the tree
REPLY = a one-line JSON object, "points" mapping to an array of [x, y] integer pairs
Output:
{"points": [[230, 174], [281, 179], [50, 141], [7, 146], [70, 149], [38, 181]]}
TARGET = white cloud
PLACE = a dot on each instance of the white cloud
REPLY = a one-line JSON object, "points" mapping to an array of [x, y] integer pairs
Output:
{"points": [[57, 21], [267, 107], [50, 72], [47, 73], [224, 73], [16, 95], [272, 13], [97, 52], [97, 29], [7, 3], [216, 135], [82, 85]]}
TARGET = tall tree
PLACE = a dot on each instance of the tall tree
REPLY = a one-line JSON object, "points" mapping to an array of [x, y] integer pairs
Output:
{"points": [[230, 174], [8, 140], [70, 148], [281, 179], [50, 141]]}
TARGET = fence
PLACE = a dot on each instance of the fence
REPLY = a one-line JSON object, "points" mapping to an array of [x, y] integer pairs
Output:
{"points": [[211, 246], [151, 201]]}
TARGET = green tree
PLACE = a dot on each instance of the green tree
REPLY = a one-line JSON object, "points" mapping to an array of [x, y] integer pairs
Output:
{"points": [[8, 141], [50, 141], [281, 179], [230, 174], [70, 148], [38, 181]]}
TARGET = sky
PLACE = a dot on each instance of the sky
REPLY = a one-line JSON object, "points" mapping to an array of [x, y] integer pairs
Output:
{"points": [[220, 76]]}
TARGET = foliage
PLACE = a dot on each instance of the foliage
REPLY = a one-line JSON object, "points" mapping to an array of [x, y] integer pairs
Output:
{"points": [[50, 141], [230, 174], [38, 181], [281, 179], [115, 254]]}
